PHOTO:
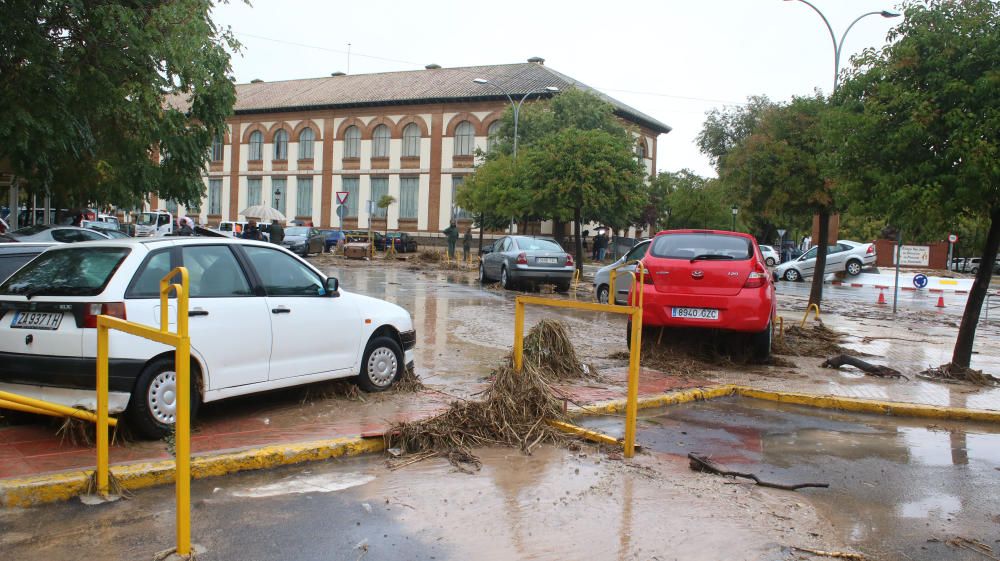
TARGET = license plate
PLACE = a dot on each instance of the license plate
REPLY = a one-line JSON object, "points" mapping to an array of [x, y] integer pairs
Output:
{"points": [[37, 320], [694, 313], [547, 260]]}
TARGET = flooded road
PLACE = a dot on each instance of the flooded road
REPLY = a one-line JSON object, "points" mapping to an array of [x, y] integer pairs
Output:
{"points": [[898, 487]]}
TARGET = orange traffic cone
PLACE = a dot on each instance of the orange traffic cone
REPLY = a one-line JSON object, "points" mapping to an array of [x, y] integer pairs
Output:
{"points": [[881, 297], [940, 303]]}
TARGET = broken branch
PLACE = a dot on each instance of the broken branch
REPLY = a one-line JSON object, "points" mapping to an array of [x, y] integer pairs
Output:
{"points": [[701, 463], [866, 367], [838, 554]]}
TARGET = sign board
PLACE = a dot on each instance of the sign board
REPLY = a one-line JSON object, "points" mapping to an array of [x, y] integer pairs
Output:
{"points": [[920, 281], [781, 234], [952, 238], [913, 256], [342, 197], [341, 211]]}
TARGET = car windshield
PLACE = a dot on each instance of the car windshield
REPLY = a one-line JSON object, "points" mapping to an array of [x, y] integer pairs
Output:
{"points": [[67, 272], [146, 219], [297, 231], [537, 244], [702, 246]]}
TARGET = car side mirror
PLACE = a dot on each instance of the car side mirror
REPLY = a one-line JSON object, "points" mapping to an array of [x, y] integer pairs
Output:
{"points": [[332, 287]]}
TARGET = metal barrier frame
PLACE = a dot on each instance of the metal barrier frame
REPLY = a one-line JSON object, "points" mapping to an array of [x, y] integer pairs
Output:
{"points": [[181, 341], [631, 408], [806, 316]]}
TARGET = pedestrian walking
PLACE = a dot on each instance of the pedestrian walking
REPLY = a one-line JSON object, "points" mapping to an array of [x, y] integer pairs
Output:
{"points": [[277, 232], [451, 232], [600, 245], [467, 244], [252, 232]]}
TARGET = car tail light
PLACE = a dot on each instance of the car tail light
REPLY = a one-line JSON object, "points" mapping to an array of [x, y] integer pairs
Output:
{"points": [[569, 260], [647, 277], [522, 259], [871, 249], [91, 311], [757, 277]]}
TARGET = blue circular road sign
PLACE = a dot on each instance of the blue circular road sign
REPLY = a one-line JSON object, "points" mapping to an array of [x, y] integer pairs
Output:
{"points": [[920, 280]]}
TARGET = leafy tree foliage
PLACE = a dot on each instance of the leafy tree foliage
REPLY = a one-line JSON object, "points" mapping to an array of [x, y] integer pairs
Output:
{"points": [[91, 90], [693, 202], [724, 130], [920, 129]]}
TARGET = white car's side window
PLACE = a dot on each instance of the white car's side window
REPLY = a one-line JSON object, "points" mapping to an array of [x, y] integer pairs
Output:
{"points": [[214, 272], [283, 275]]}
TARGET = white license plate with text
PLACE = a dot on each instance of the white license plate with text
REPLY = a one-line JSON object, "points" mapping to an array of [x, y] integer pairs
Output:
{"points": [[37, 320], [547, 260], [694, 313]]}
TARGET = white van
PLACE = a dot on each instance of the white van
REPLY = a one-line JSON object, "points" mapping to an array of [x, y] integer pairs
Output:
{"points": [[154, 224]]}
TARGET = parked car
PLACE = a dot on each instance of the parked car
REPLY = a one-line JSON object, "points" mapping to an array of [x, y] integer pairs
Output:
{"points": [[46, 233], [282, 308], [14, 255], [332, 235], [845, 255], [771, 257], [304, 240], [514, 260], [402, 241], [111, 234], [709, 279], [623, 281]]}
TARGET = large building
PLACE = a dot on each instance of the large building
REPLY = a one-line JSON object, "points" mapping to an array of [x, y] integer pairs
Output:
{"points": [[295, 144]]}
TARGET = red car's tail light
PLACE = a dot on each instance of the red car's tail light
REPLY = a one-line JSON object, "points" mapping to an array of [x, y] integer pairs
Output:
{"points": [[91, 311], [757, 277], [569, 260], [647, 277], [522, 259]]}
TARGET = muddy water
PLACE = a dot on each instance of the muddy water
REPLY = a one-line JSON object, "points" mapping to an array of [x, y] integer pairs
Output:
{"points": [[553, 505], [896, 485]]}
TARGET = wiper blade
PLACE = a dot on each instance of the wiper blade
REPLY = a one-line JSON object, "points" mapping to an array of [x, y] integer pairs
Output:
{"points": [[710, 256]]}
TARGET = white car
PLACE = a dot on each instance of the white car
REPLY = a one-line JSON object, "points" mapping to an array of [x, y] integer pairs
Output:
{"points": [[260, 318], [623, 281], [771, 257], [845, 255]]}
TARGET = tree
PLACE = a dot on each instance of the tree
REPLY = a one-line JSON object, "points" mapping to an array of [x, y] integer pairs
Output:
{"points": [[91, 90], [384, 202], [725, 130], [919, 122], [693, 202]]}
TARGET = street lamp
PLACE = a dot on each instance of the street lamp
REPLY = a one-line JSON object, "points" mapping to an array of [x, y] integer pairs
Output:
{"points": [[516, 107], [736, 210], [277, 199]]}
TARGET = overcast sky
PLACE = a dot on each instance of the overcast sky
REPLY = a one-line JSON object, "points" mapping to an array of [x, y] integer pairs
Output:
{"points": [[671, 59]]}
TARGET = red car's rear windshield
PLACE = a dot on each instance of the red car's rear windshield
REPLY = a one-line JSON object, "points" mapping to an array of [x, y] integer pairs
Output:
{"points": [[702, 246]]}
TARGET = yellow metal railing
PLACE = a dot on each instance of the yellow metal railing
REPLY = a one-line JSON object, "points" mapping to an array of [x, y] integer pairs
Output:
{"points": [[39, 407], [614, 277], [809, 309], [631, 407], [181, 342]]}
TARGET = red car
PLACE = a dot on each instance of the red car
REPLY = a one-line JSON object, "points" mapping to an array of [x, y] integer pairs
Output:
{"points": [[709, 279]]}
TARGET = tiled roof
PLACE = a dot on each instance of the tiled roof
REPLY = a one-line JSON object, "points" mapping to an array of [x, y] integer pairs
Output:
{"points": [[414, 87]]}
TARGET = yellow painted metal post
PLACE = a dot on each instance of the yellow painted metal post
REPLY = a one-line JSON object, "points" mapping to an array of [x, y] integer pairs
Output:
{"points": [[632, 403], [518, 334], [182, 437], [809, 309], [103, 479]]}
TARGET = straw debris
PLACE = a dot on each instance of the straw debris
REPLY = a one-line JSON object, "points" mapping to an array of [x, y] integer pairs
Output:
{"points": [[817, 340], [954, 373]]}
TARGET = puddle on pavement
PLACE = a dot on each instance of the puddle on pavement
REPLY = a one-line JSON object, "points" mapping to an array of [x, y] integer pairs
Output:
{"points": [[896, 484], [298, 484]]}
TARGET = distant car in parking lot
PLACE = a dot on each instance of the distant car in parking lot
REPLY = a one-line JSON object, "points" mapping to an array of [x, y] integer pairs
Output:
{"points": [[13, 256], [845, 255], [515, 260], [304, 240], [623, 281], [401, 241], [771, 257], [260, 319], [49, 233]]}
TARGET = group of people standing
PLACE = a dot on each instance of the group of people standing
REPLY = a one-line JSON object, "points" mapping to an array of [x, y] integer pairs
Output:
{"points": [[451, 234], [253, 231]]}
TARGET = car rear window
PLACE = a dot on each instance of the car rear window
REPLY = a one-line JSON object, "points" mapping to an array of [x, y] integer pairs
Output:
{"points": [[529, 244], [702, 246], [67, 272]]}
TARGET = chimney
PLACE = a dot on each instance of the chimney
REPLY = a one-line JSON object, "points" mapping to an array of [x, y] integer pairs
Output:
{"points": [[256, 81], [337, 73], [537, 60], [432, 66]]}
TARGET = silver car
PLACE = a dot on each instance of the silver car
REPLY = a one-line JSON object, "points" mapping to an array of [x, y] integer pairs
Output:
{"points": [[848, 256], [623, 281], [515, 260]]}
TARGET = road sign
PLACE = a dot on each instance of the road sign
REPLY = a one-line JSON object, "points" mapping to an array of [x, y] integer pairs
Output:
{"points": [[920, 280], [952, 238], [781, 234], [341, 211], [342, 197]]}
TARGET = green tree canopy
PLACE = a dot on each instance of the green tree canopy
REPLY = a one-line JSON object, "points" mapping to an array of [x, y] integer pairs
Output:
{"points": [[91, 90]]}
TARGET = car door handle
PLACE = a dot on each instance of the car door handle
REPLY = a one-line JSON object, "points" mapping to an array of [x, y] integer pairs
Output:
{"points": [[281, 310], [197, 312]]}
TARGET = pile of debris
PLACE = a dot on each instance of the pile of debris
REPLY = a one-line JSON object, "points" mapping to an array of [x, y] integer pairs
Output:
{"points": [[953, 373], [816, 340]]}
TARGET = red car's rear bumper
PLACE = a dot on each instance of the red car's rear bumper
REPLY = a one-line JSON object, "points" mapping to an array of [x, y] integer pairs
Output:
{"points": [[749, 311]]}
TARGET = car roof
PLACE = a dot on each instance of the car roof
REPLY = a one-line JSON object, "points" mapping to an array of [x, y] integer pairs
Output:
{"points": [[26, 247], [153, 243], [704, 231]]}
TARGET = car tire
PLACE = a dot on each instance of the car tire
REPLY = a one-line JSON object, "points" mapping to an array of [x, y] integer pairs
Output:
{"points": [[974, 270], [381, 365], [505, 280], [760, 344], [854, 267], [152, 408], [483, 279], [602, 294], [770, 261], [793, 275], [562, 287]]}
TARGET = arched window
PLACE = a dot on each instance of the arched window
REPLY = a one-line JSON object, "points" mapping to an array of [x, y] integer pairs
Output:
{"points": [[640, 150], [352, 142], [465, 137], [281, 145], [217, 152], [411, 140], [306, 139], [380, 142], [256, 145], [491, 135]]}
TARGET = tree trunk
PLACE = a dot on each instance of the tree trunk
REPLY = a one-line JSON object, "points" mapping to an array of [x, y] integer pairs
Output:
{"points": [[482, 226], [962, 355], [579, 240], [816, 292], [558, 230]]}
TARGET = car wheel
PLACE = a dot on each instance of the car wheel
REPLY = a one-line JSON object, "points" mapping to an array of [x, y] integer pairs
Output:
{"points": [[152, 409], [505, 280], [562, 287], [483, 279], [792, 275], [854, 267], [770, 261], [602, 294], [381, 366], [974, 270], [760, 344]]}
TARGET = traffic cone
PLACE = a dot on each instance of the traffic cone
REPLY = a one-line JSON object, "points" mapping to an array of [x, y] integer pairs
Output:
{"points": [[881, 297], [940, 303]]}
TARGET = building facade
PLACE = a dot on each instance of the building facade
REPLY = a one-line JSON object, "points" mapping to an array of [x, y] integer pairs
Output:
{"points": [[295, 145]]}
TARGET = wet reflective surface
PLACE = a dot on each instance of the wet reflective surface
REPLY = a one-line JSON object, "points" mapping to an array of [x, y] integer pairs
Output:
{"points": [[895, 484]]}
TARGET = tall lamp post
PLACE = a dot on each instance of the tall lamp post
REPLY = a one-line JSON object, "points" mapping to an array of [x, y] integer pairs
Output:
{"points": [[516, 107], [277, 199], [736, 210]]}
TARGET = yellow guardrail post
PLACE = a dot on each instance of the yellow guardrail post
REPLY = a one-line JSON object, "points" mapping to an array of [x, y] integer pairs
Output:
{"points": [[102, 409], [518, 334], [781, 327], [632, 400], [809, 309]]}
